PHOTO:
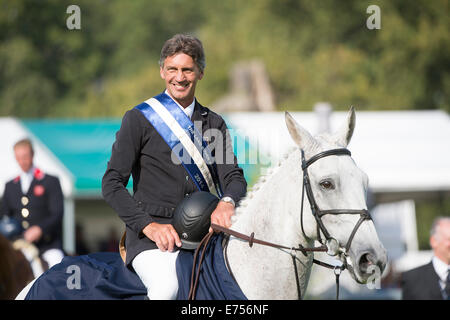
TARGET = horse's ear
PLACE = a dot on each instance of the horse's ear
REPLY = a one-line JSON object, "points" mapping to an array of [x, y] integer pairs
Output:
{"points": [[300, 136], [344, 134]]}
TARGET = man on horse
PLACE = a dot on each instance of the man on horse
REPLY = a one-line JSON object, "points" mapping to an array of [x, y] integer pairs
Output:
{"points": [[145, 149], [35, 200]]}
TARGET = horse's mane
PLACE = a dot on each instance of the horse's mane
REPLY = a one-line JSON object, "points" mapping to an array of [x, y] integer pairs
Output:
{"points": [[319, 142], [243, 204]]}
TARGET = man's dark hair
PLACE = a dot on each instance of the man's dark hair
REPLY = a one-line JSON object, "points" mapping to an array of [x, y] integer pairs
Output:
{"points": [[187, 44]]}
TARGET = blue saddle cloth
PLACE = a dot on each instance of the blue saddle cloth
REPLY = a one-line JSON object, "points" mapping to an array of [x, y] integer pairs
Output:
{"points": [[215, 282], [103, 276]]}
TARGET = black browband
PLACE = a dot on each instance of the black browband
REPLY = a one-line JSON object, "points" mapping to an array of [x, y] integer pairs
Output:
{"points": [[332, 152]]}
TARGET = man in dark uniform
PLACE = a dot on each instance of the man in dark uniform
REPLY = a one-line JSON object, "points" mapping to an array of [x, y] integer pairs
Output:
{"points": [[36, 200], [159, 183]]}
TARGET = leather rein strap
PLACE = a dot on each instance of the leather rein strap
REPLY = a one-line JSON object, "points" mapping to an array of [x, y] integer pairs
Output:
{"points": [[201, 249], [251, 240]]}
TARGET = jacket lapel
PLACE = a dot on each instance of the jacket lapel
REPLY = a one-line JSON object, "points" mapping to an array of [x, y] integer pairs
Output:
{"points": [[18, 185], [433, 283], [30, 188], [201, 114], [37, 177]]}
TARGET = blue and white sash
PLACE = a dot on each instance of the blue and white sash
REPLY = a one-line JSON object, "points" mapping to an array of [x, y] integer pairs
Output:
{"points": [[184, 140]]}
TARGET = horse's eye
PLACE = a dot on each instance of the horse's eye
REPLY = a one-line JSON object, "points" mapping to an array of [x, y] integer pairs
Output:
{"points": [[327, 184]]}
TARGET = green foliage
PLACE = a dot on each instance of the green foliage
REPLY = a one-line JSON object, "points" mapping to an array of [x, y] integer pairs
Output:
{"points": [[313, 51]]}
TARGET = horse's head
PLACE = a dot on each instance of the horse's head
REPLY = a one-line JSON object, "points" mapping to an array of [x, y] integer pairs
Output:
{"points": [[337, 190]]}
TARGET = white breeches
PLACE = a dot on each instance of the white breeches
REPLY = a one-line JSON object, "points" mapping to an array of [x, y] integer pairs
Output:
{"points": [[157, 270]]}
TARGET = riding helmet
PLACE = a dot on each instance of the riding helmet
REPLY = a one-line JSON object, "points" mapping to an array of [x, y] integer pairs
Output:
{"points": [[192, 218]]}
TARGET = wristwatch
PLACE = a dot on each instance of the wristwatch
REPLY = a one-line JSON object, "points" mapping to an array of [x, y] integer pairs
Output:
{"points": [[228, 200]]}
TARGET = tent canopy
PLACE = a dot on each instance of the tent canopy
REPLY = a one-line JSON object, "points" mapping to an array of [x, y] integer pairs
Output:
{"points": [[399, 150], [84, 146], [11, 131]]}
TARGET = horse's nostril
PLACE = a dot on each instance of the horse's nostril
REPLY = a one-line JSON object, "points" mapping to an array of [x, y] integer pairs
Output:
{"points": [[365, 261]]}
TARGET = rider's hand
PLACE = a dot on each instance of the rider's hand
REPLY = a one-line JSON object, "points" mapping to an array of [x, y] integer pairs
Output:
{"points": [[222, 215], [164, 235], [32, 234]]}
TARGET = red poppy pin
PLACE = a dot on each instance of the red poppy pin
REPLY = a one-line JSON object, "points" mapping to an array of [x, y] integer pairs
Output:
{"points": [[38, 190]]}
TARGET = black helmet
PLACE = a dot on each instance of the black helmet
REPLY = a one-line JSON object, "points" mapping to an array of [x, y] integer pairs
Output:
{"points": [[192, 218], [10, 228]]}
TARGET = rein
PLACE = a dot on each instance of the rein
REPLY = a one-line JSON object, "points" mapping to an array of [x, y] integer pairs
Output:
{"points": [[251, 240]]}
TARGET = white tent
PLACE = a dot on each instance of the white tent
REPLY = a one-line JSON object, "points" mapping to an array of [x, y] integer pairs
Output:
{"points": [[401, 151]]}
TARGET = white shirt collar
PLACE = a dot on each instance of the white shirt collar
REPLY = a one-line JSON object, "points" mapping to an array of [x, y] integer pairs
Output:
{"points": [[189, 110], [27, 174], [26, 178], [440, 267]]}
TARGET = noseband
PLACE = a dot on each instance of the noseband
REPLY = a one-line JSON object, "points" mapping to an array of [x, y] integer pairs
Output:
{"points": [[318, 213]]}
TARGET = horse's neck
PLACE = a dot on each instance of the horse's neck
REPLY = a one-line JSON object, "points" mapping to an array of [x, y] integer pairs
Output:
{"points": [[273, 203], [272, 212]]}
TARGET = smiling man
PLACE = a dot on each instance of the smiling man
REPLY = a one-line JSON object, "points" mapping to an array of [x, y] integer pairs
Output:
{"points": [[181, 74], [143, 151]]}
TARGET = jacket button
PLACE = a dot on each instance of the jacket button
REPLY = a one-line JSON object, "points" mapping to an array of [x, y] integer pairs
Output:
{"points": [[187, 178], [25, 212], [187, 194], [24, 200]]}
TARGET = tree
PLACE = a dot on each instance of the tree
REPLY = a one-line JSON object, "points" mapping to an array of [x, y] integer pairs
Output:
{"points": [[313, 51]]}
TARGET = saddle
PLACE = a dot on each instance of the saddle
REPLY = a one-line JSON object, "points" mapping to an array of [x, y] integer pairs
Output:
{"points": [[103, 276]]}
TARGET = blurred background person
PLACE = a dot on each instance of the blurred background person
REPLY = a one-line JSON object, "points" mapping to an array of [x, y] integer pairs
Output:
{"points": [[35, 199], [431, 281]]}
